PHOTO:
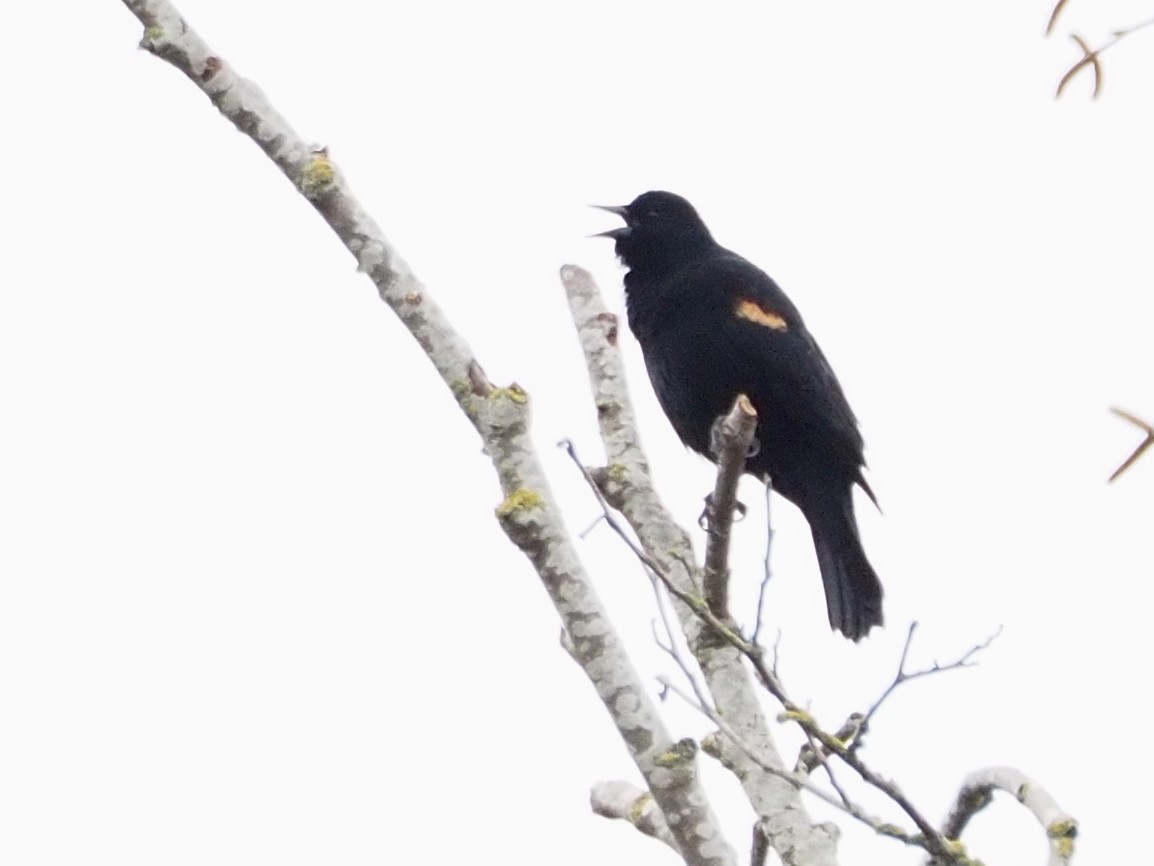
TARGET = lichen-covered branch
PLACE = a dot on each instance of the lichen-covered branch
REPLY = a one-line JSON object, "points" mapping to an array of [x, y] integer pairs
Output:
{"points": [[528, 512], [977, 792], [628, 486]]}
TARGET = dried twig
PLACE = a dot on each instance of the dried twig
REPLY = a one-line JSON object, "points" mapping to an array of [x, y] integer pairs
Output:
{"points": [[766, 574], [903, 676], [1054, 13], [1142, 446], [1091, 56]]}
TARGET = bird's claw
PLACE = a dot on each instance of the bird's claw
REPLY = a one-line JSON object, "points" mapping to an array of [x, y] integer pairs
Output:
{"points": [[739, 511]]}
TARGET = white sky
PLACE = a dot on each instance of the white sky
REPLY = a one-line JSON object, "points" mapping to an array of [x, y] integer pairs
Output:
{"points": [[254, 607]]}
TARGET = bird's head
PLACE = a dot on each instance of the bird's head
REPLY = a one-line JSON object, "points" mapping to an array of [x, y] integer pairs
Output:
{"points": [[661, 230]]}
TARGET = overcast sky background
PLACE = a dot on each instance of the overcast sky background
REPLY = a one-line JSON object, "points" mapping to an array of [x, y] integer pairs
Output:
{"points": [[254, 607]]}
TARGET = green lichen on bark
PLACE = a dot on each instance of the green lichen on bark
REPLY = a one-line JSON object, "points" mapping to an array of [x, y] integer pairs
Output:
{"points": [[518, 502], [318, 176]]}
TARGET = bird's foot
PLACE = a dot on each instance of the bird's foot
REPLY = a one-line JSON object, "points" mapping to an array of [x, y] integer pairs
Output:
{"points": [[739, 510]]}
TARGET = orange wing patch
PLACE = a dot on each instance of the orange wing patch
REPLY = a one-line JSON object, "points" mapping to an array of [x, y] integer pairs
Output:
{"points": [[753, 311]]}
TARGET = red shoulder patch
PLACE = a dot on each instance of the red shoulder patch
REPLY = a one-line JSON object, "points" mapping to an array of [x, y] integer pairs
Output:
{"points": [[754, 312]]}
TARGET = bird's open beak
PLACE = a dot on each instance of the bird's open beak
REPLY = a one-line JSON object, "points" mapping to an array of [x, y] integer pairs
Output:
{"points": [[619, 210]]}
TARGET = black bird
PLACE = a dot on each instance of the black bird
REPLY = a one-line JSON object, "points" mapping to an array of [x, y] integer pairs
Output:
{"points": [[711, 326]]}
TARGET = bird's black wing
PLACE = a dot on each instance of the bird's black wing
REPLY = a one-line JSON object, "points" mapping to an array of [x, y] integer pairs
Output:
{"points": [[777, 362]]}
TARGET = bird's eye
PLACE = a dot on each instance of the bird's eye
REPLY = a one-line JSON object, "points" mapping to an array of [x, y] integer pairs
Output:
{"points": [[653, 212]]}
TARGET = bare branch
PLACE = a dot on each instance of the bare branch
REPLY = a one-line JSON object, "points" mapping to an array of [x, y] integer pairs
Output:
{"points": [[1142, 446], [732, 440], [528, 512], [977, 793]]}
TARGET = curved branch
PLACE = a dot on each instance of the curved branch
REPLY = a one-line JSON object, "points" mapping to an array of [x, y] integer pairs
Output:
{"points": [[528, 513], [978, 791], [1054, 13]]}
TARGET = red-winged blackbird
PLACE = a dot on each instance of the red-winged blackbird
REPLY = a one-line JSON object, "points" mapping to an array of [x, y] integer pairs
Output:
{"points": [[711, 326]]}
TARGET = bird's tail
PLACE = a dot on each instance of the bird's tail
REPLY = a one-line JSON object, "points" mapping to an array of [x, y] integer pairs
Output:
{"points": [[853, 593]]}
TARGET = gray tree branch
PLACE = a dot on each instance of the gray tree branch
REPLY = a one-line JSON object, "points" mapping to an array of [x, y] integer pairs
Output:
{"points": [[528, 513]]}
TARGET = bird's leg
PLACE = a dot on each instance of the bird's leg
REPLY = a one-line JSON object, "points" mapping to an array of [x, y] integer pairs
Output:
{"points": [[715, 449]]}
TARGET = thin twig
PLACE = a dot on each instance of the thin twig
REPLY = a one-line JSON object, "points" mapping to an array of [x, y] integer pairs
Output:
{"points": [[934, 843], [659, 579], [849, 734], [1142, 446], [965, 660], [1057, 10], [776, 649], [823, 759], [607, 512], [765, 575], [798, 780]]}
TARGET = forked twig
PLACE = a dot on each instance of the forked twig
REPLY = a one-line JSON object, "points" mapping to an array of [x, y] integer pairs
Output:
{"points": [[965, 660], [1091, 56], [1142, 446]]}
